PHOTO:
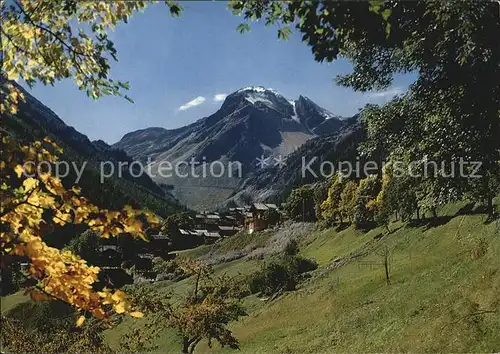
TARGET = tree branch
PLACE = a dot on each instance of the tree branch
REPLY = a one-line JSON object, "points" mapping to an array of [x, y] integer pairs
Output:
{"points": [[48, 30]]}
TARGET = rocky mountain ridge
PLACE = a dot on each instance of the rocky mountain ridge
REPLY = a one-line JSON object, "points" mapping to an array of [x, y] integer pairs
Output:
{"points": [[252, 122]]}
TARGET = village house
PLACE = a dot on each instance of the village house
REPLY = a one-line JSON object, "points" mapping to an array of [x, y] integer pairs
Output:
{"points": [[255, 219], [226, 231], [110, 256], [237, 215], [160, 245]]}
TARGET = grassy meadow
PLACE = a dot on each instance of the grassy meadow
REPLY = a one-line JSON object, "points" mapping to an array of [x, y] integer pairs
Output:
{"points": [[444, 292]]}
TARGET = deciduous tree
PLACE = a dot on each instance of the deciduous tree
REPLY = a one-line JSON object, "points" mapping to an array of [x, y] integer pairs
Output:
{"points": [[204, 313], [47, 41]]}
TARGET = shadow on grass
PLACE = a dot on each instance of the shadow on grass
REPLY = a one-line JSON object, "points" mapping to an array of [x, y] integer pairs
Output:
{"points": [[437, 221], [468, 209], [342, 227]]}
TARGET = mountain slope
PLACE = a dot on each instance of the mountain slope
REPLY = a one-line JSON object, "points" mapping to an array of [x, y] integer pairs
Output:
{"points": [[274, 184], [251, 123], [34, 121]]}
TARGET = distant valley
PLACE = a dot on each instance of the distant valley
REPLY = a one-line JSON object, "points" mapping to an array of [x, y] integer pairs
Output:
{"points": [[252, 123]]}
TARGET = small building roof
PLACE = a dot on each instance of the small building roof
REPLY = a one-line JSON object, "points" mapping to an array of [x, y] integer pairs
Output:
{"points": [[212, 234], [160, 237], [212, 216], [227, 228], [187, 232], [272, 206], [103, 248], [260, 206]]}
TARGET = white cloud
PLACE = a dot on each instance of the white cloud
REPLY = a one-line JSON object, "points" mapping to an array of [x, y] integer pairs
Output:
{"points": [[220, 97], [193, 103], [387, 94]]}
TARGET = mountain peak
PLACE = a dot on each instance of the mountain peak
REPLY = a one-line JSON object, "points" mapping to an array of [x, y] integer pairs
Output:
{"points": [[259, 97], [260, 89]]}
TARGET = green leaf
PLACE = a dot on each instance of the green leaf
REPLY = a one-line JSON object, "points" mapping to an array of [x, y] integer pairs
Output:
{"points": [[387, 30], [243, 27], [284, 33], [386, 13], [175, 10], [376, 5]]}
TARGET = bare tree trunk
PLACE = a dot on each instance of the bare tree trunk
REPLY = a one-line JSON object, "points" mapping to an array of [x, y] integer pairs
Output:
{"points": [[6, 272], [185, 345], [489, 206], [386, 266]]}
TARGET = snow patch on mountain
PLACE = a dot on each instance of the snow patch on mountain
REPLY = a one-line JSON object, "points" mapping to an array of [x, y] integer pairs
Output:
{"points": [[327, 114], [257, 97], [252, 88], [295, 117]]}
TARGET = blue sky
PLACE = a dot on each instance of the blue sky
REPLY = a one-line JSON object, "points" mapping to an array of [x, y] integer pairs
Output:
{"points": [[177, 66]]}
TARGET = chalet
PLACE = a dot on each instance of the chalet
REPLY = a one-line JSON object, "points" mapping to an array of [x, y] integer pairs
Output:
{"points": [[160, 245], [184, 238], [211, 237], [239, 214], [110, 255], [144, 261], [226, 231], [255, 220], [203, 220]]}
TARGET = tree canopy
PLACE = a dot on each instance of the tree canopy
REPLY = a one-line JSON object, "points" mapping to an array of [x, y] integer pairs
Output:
{"points": [[45, 42], [451, 111], [48, 41]]}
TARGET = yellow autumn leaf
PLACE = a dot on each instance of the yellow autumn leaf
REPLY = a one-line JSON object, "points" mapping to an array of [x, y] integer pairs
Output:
{"points": [[80, 321], [118, 296], [120, 307], [137, 314], [30, 184], [19, 170]]}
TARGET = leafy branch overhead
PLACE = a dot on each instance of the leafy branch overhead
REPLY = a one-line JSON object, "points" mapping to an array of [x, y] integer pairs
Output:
{"points": [[48, 41], [32, 206], [451, 111]]}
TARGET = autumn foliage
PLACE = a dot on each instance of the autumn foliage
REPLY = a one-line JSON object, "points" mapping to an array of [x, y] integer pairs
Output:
{"points": [[34, 203]]}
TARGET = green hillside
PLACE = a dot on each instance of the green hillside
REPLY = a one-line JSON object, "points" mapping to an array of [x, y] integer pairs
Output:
{"points": [[444, 294]]}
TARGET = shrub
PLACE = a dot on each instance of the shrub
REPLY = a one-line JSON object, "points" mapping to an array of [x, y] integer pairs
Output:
{"points": [[49, 327], [300, 204], [86, 246], [292, 248], [271, 217], [280, 275], [168, 270]]}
